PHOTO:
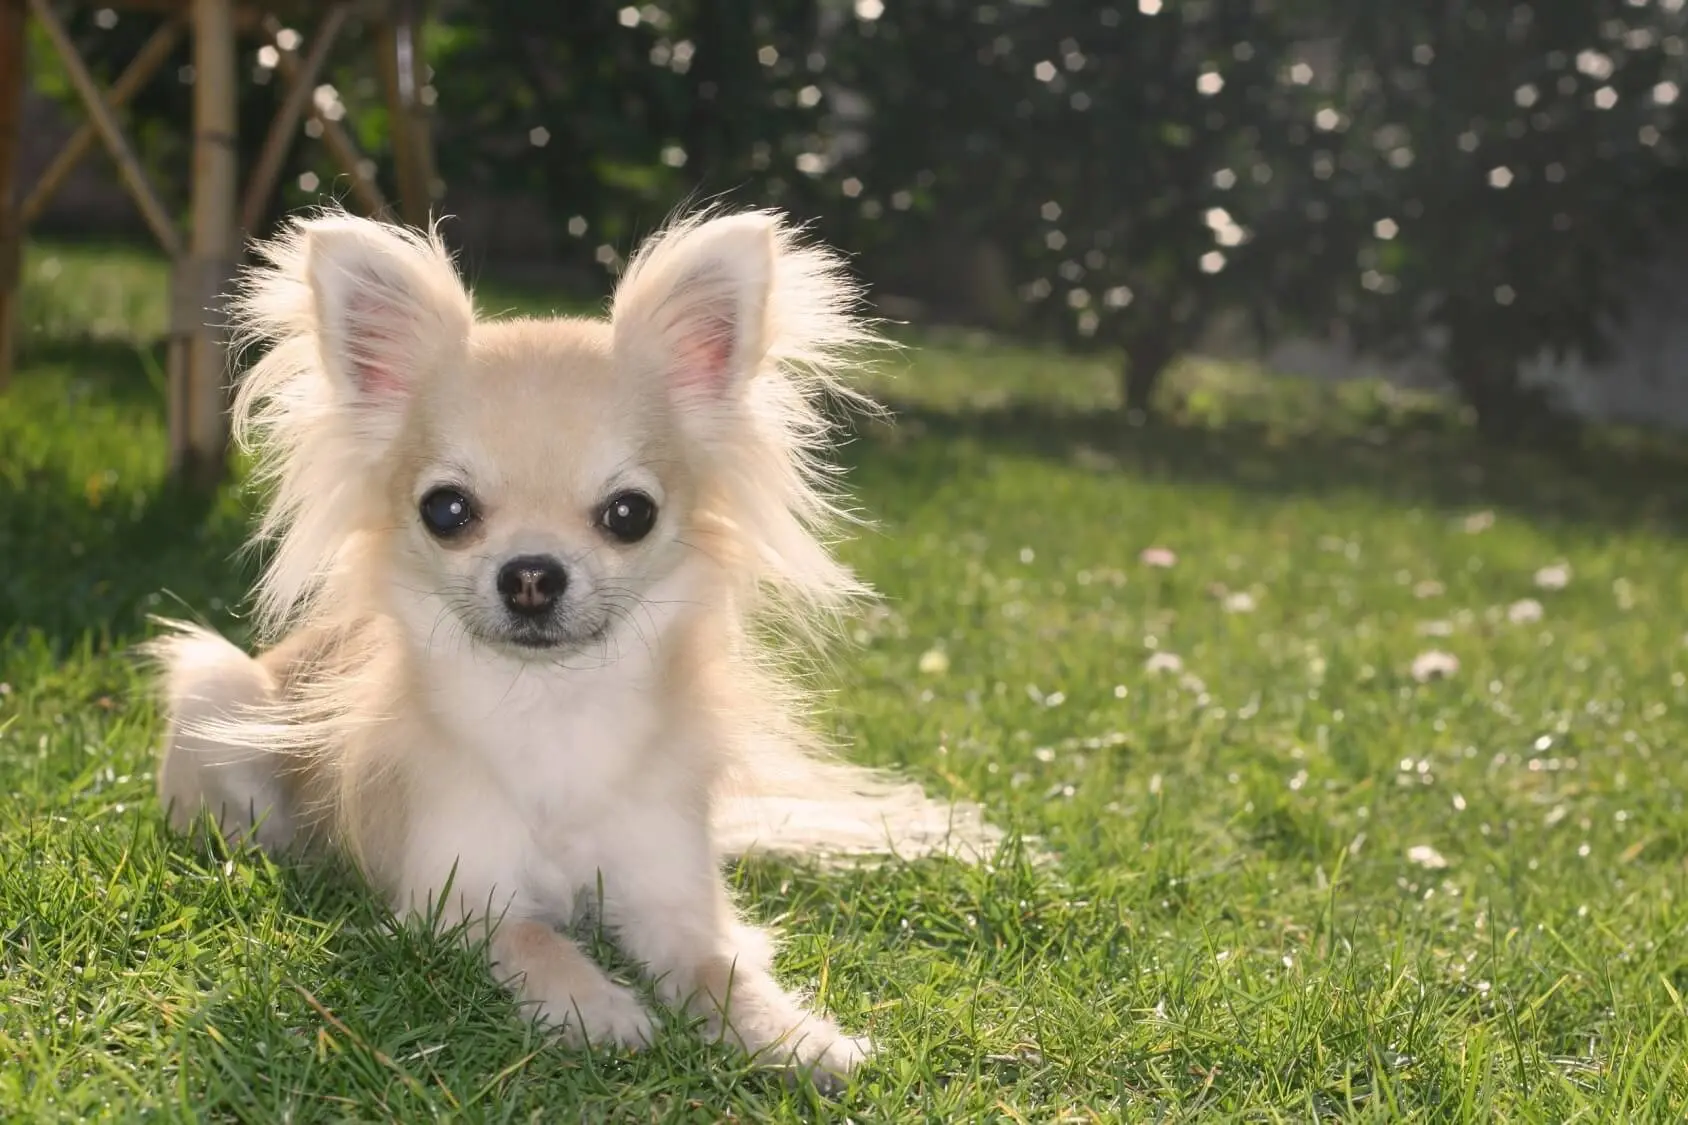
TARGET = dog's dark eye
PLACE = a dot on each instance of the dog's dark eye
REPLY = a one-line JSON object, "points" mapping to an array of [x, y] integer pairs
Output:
{"points": [[629, 516], [447, 512]]}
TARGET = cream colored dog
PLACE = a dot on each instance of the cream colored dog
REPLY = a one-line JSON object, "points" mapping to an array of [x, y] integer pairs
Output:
{"points": [[522, 581]]}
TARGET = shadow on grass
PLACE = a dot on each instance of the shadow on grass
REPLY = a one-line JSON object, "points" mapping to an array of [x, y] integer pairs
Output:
{"points": [[92, 535], [1610, 480], [76, 568]]}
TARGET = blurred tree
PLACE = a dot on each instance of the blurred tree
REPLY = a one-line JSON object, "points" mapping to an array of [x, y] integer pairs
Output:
{"points": [[616, 114], [574, 104], [1496, 170], [1115, 151]]}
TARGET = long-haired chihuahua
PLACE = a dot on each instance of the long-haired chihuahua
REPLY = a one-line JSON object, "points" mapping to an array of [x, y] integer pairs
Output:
{"points": [[527, 605]]}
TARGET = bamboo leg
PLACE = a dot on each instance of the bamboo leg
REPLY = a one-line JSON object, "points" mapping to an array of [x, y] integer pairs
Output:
{"points": [[11, 125], [399, 52], [199, 434], [261, 185], [135, 76], [128, 165]]}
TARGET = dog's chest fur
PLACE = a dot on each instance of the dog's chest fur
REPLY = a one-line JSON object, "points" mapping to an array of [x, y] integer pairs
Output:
{"points": [[537, 772]]}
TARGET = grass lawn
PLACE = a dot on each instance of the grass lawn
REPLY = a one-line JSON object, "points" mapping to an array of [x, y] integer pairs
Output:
{"points": [[1294, 881]]}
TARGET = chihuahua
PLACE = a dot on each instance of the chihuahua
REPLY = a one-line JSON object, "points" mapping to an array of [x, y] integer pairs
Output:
{"points": [[532, 597]]}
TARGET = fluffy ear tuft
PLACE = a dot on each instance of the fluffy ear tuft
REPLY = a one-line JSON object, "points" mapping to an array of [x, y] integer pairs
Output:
{"points": [[355, 312], [753, 331], [387, 301], [694, 303]]}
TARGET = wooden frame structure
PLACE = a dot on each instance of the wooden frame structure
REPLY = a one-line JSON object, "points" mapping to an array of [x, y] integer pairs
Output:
{"points": [[220, 215]]}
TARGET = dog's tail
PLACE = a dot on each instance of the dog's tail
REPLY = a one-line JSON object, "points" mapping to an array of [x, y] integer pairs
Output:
{"points": [[785, 798], [210, 689]]}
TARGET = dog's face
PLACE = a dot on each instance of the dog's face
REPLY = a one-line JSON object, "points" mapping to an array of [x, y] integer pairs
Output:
{"points": [[543, 480], [545, 487], [542, 486]]}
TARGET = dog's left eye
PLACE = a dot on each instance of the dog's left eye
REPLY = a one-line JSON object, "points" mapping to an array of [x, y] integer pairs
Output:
{"points": [[629, 516], [446, 512]]}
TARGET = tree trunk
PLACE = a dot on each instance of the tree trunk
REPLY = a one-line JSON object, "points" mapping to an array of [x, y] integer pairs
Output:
{"points": [[1146, 360], [1486, 373]]}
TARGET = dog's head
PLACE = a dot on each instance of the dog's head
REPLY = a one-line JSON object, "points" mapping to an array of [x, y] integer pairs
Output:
{"points": [[539, 484]]}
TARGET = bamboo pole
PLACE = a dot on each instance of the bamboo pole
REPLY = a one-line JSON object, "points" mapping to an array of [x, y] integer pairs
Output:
{"points": [[128, 165], [199, 434], [12, 15], [341, 148], [403, 74], [261, 184], [141, 68]]}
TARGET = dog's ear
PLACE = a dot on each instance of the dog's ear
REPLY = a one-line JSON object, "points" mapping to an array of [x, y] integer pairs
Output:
{"points": [[389, 306], [693, 306]]}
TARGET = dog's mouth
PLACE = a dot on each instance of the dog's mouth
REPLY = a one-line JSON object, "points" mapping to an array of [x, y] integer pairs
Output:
{"points": [[536, 639], [549, 635]]}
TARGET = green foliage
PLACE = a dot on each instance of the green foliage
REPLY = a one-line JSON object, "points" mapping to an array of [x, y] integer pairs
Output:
{"points": [[614, 114], [1106, 149], [1490, 177], [1496, 174]]}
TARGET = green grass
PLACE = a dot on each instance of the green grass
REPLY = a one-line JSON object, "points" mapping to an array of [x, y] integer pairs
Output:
{"points": [[1239, 925]]}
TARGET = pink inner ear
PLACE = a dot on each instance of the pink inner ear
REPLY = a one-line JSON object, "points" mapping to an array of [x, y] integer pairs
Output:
{"points": [[374, 345], [704, 352]]}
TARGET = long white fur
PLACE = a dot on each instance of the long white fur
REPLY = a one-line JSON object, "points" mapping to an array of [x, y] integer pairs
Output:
{"points": [[303, 424], [557, 786]]}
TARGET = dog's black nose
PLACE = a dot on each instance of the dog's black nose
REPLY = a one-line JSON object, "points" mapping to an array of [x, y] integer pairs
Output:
{"points": [[532, 584]]}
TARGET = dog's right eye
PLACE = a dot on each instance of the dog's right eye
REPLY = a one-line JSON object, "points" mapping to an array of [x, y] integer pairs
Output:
{"points": [[447, 512]]}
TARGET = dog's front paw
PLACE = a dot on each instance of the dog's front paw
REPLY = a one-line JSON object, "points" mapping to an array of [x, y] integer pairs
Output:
{"points": [[606, 1015], [836, 1059], [818, 1048]]}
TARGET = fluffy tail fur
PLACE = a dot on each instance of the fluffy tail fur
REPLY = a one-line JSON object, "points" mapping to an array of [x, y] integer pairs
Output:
{"points": [[787, 802], [208, 685]]}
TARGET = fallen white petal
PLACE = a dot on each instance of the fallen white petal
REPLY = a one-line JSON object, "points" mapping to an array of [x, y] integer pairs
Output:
{"points": [[1434, 665], [1240, 602], [1524, 611], [1164, 662], [1158, 556], [1426, 856]]}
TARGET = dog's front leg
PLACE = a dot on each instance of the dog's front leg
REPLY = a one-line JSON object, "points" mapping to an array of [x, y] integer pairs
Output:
{"points": [[668, 905], [550, 976], [568, 989]]}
